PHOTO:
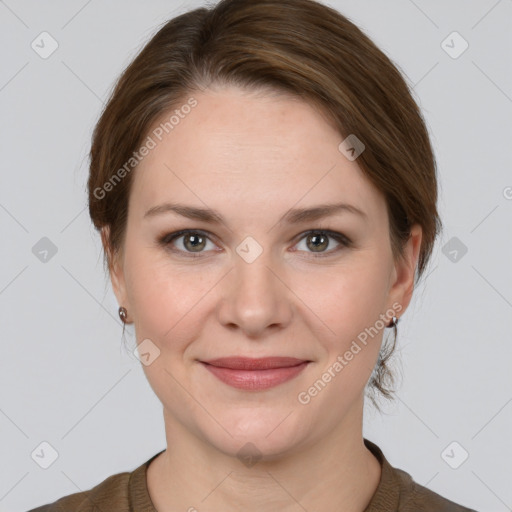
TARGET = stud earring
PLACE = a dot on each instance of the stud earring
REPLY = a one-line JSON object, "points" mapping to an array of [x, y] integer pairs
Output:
{"points": [[394, 322], [123, 314]]}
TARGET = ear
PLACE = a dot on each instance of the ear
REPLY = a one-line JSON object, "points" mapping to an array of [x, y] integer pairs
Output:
{"points": [[405, 269], [115, 268]]}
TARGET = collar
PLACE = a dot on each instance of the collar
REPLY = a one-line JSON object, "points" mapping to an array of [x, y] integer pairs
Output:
{"points": [[386, 496]]}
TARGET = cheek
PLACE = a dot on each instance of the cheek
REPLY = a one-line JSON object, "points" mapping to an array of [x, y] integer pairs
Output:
{"points": [[350, 305], [351, 298], [157, 295], [168, 303], [167, 308]]}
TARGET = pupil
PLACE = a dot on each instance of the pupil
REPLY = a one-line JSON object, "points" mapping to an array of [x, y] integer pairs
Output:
{"points": [[316, 238], [196, 240]]}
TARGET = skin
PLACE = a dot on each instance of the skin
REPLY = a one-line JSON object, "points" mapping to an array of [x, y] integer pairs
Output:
{"points": [[252, 157]]}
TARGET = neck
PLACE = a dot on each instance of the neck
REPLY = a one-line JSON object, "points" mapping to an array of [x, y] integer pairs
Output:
{"points": [[336, 472]]}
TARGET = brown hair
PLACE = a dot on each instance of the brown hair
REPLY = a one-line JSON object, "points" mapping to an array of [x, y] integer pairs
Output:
{"points": [[299, 47]]}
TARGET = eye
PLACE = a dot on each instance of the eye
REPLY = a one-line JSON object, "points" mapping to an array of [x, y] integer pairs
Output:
{"points": [[318, 241], [194, 242]]}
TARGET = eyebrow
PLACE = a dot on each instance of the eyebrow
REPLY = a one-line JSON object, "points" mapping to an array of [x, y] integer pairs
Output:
{"points": [[293, 216]]}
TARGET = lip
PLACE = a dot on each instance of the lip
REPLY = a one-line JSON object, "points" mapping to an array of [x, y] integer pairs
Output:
{"points": [[255, 374], [260, 363]]}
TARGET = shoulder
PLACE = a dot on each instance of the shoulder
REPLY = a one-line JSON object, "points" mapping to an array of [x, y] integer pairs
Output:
{"points": [[398, 491], [111, 494], [417, 498]]}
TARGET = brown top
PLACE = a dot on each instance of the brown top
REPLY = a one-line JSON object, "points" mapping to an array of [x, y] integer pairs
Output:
{"points": [[128, 492]]}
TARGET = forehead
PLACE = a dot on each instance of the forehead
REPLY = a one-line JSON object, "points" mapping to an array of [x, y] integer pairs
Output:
{"points": [[250, 150]]}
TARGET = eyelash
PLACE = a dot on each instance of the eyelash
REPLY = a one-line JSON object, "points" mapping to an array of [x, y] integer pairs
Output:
{"points": [[167, 239]]}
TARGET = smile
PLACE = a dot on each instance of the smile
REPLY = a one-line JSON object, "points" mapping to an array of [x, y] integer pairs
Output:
{"points": [[255, 374]]}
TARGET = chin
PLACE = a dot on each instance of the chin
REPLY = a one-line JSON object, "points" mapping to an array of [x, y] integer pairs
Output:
{"points": [[266, 435]]}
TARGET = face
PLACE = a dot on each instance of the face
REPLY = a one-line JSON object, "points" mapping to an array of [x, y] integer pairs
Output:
{"points": [[261, 281]]}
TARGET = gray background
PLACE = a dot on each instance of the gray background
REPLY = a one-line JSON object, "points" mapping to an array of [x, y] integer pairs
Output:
{"points": [[64, 376]]}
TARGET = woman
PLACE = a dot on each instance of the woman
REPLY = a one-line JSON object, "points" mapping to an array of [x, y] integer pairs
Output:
{"points": [[266, 191]]}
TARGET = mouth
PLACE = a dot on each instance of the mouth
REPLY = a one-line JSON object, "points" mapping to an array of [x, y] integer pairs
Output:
{"points": [[255, 374]]}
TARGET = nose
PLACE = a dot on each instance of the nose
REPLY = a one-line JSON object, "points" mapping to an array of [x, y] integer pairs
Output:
{"points": [[256, 298]]}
